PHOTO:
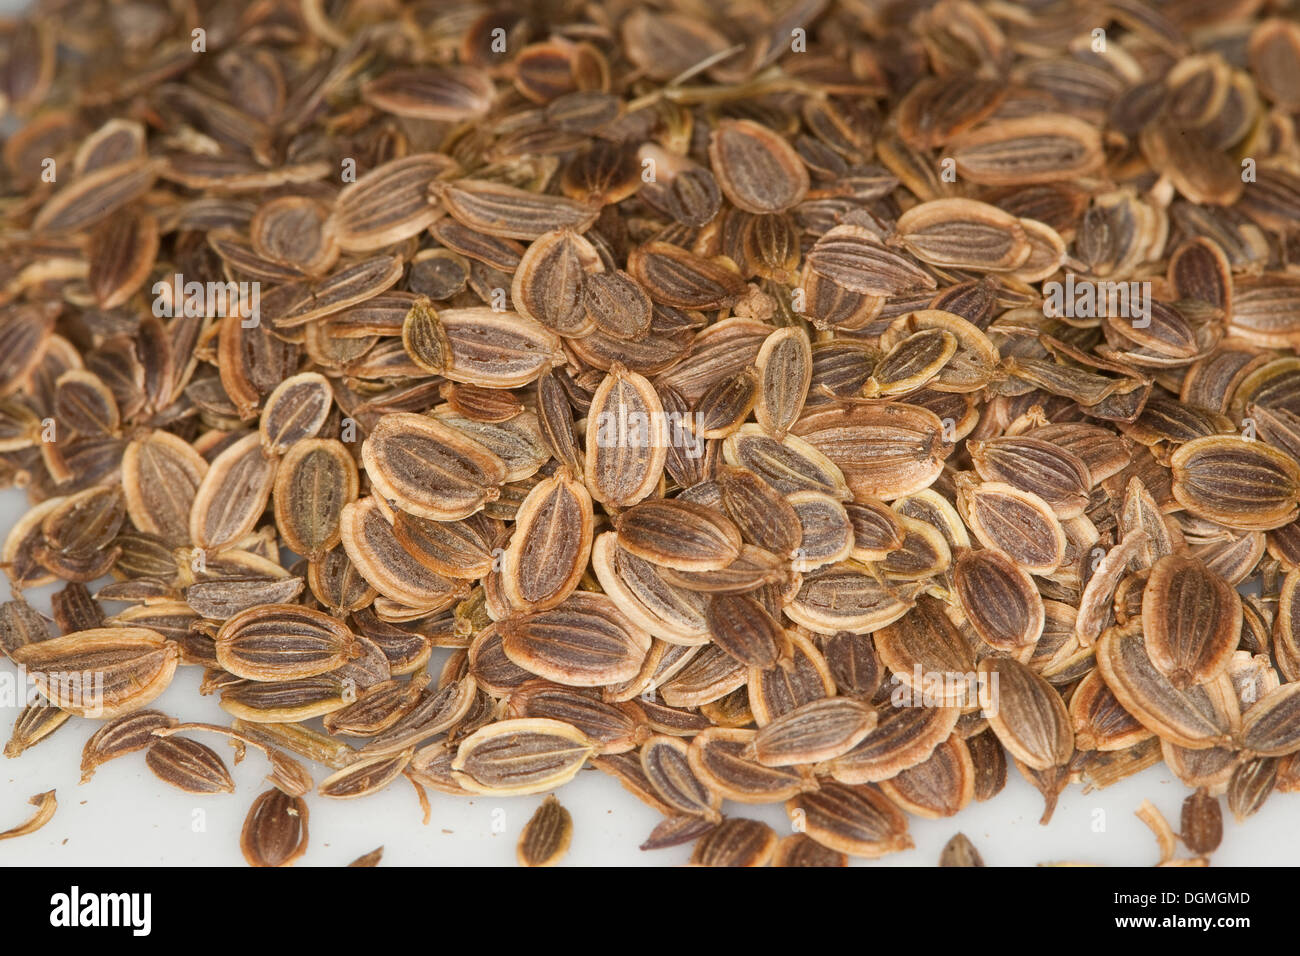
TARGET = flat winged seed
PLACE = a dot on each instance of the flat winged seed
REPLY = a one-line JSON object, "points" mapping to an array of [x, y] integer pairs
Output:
{"points": [[296, 411], [1194, 718], [283, 642], [857, 820], [232, 495], [853, 258], [883, 451], [1252, 783], [512, 757], [718, 757], [550, 281], [34, 723], [479, 346], [1191, 620], [788, 465], [762, 515], [161, 475], [799, 849], [999, 599], [816, 731], [430, 469], [904, 737], [120, 736], [847, 597], [93, 197], [389, 203], [365, 776], [664, 762], [736, 842], [626, 440], [1241, 484], [757, 170], [1018, 523], [1029, 718], [1056, 475], [924, 643], [911, 364], [1042, 148], [313, 482], [676, 277], [546, 836], [613, 727], [679, 534], [280, 702], [585, 641], [742, 627], [1270, 728], [188, 765], [497, 209], [826, 534], [103, 672], [785, 369], [941, 786], [963, 234], [551, 544], [275, 830]]}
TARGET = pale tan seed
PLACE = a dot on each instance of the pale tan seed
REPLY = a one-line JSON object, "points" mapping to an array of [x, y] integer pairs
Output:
{"points": [[365, 776], [816, 731], [757, 170], [626, 440], [513, 757], [785, 369], [430, 469], [313, 482], [103, 672], [283, 642]]}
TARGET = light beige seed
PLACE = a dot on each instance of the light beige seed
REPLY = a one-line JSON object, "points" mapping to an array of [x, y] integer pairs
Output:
{"points": [[513, 757], [626, 440], [103, 672], [813, 732], [283, 642]]}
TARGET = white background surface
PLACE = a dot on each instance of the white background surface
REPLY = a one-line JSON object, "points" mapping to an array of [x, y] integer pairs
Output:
{"points": [[126, 816]]}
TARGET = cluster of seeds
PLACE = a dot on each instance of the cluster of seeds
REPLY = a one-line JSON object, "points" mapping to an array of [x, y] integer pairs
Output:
{"points": [[824, 403]]}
